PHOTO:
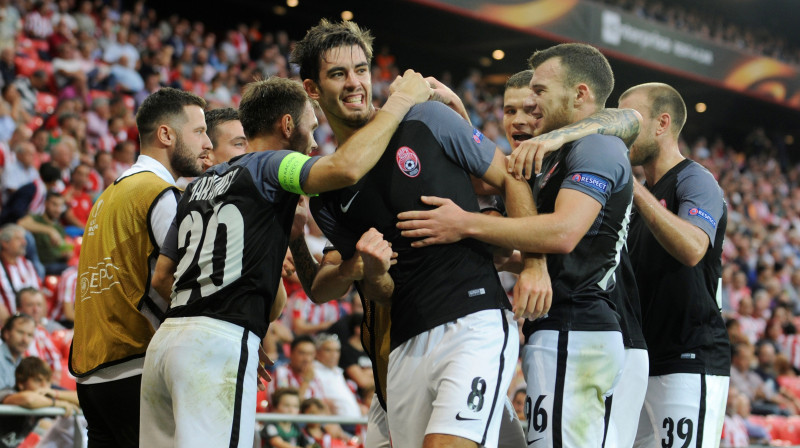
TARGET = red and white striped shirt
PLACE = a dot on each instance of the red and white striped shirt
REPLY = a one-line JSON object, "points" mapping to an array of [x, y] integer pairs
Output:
{"points": [[22, 275], [734, 432], [43, 347], [65, 292], [285, 377], [303, 308]]}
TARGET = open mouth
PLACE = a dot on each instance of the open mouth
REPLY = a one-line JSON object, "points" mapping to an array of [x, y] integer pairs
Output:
{"points": [[521, 137], [354, 100]]}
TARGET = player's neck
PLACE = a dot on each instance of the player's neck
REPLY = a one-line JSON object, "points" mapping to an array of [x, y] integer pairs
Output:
{"points": [[160, 155], [667, 158], [266, 143], [342, 130]]}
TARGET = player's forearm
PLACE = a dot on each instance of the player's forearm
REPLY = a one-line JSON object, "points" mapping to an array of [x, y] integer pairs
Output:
{"points": [[359, 154], [164, 276], [683, 240], [543, 234], [378, 289], [279, 303], [305, 264], [330, 283], [622, 123]]}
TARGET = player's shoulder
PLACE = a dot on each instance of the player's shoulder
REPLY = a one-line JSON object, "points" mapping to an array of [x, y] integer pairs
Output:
{"points": [[695, 175], [601, 142], [430, 109]]}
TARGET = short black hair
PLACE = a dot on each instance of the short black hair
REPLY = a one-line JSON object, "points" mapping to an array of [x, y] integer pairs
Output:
{"points": [[165, 106], [217, 117], [581, 63]]}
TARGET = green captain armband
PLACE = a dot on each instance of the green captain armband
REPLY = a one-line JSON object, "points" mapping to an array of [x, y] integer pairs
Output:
{"points": [[289, 172]]}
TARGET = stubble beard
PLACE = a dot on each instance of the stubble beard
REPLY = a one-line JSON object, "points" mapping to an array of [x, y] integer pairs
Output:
{"points": [[183, 162]]}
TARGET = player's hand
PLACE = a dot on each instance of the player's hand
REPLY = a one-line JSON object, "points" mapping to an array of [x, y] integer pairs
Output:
{"points": [[263, 362], [527, 158], [442, 225], [288, 268], [445, 95], [300, 220], [533, 293], [413, 85], [376, 253]]}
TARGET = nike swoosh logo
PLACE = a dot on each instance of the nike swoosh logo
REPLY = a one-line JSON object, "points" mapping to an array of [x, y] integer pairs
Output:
{"points": [[346, 207], [534, 441], [464, 419]]}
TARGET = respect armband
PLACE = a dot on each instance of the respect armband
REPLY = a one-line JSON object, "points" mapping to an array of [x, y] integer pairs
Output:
{"points": [[289, 172]]}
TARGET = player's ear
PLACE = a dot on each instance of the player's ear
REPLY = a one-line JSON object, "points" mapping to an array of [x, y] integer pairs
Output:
{"points": [[583, 95], [312, 89], [664, 122], [165, 135], [287, 126]]}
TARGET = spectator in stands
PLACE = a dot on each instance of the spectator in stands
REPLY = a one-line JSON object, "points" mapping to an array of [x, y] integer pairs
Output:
{"points": [[284, 434], [29, 88], [734, 429], [329, 435], [78, 200], [22, 170], [31, 301], [17, 272], [17, 333], [123, 157], [752, 326], [335, 392], [10, 25], [32, 391], [518, 401], [299, 372], [764, 400], [51, 245], [15, 108], [355, 362], [64, 309]]}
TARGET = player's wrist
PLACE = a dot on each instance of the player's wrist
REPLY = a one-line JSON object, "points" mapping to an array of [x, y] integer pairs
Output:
{"points": [[398, 104]]}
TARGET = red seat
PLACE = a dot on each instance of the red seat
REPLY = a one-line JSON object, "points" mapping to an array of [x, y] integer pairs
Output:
{"points": [[262, 401], [25, 66], [45, 103]]}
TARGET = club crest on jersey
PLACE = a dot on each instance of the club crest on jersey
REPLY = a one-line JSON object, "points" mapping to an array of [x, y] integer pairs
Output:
{"points": [[477, 136], [590, 180], [703, 214], [408, 161]]}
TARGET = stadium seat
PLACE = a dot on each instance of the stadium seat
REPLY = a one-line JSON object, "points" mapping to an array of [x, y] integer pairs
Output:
{"points": [[45, 103], [25, 66], [262, 402]]}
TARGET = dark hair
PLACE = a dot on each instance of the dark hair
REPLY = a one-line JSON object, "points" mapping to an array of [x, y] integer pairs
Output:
{"points": [[166, 106], [282, 392], [326, 35], [27, 289], [520, 80], [265, 102], [217, 117], [308, 402], [663, 98], [581, 64], [9, 325], [32, 367], [302, 339]]}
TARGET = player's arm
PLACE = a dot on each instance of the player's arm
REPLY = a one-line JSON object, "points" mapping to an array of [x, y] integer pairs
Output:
{"points": [[622, 123], [680, 238], [279, 303], [335, 276], [558, 232], [355, 157], [164, 276], [305, 264]]}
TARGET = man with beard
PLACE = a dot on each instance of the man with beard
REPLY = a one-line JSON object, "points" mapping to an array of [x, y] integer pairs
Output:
{"points": [[117, 311], [675, 241], [573, 356], [226, 249], [520, 125]]}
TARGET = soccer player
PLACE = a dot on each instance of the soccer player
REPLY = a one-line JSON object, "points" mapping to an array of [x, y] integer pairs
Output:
{"points": [[227, 137], [573, 356], [117, 312], [435, 295], [520, 125], [676, 245], [232, 229]]}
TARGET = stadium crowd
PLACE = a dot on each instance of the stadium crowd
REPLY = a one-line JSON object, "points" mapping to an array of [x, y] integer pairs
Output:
{"points": [[72, 75]]}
